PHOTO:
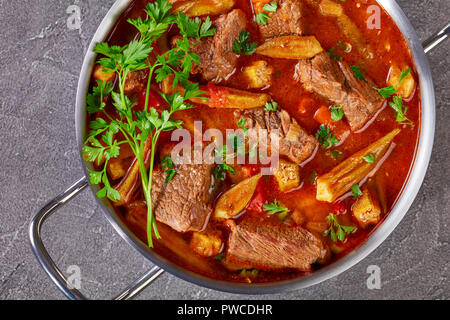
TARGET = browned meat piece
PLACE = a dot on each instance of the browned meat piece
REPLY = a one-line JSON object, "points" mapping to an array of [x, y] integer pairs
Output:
{"points": [[323, 76], [186, 202], [217, 59], [363, 101], [287, 20], [136, 81], [336, 82], [273, 247], [295, 143]]}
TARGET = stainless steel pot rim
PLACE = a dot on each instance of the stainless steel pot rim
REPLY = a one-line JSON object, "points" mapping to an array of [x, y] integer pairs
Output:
{"points": [[410, 191]]}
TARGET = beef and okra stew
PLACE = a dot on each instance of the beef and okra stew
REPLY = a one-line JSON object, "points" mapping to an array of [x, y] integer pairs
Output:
{"points": [[327, 88]]}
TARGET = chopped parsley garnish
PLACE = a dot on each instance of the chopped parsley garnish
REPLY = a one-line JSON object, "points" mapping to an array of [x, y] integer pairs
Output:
{"points": [[387, 91], [262, 17], [370, 158], [400, 110], [221, 170], [326, 137], [275, 207], [271, 7], [404, 74], [336, 113], [271, 106], [357, 72], [356, 191], [390, 90], [167, 165], [242, 45], [336, 231]]}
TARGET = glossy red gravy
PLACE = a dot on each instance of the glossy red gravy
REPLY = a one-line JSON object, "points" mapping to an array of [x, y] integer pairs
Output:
{"points": [[392, 175]]}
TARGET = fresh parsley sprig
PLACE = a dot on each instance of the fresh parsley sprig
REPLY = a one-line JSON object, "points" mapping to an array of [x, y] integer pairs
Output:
{"points": [[326, 137], [242, 45], [400, 110], [140, 128], [337, 231], [337, 113], [356, 191], [262, 17], [397, 101], [275, 207], [271, 106]]}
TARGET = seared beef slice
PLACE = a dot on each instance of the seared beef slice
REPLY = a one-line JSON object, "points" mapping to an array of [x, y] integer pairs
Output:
{"points": [[217, 59], [273, 247], [186, 202], [285, 21], [294, 141], [336, 82]]}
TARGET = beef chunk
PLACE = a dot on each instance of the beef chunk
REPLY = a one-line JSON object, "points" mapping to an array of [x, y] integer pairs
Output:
{"points": [[186, 202], [362, 102], [294, 142], [336, 82], [136, 81], [217, 59], [273, 247], [323, 76], [285, 21]]}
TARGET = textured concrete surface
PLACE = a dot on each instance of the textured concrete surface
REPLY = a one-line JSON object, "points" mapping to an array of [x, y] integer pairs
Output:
{"points": [[39, 67]]}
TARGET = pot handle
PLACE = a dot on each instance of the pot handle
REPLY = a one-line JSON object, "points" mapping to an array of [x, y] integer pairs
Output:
{"points": [[436, 39], [49, 265]]}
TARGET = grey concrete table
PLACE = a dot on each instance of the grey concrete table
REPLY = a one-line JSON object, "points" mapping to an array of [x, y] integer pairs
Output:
{"points": [[40, 59]]}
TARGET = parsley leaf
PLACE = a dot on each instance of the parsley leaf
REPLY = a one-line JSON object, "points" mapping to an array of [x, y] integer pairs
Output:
{"points": [[94, 100], [370, 158], [275, 207], [194, 27], [336, 231], [271, 7], [167, 164], [220, 171], [326, 137], [387, 91], [357, 72], [262, 17], [336, 113], [271, 106], [406, 72], [242, 45], [356, 191], [142, 128], [400, 109]]}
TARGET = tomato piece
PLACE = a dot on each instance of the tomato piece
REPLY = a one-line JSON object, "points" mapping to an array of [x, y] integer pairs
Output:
{"points": [[217, 95], [256, 204], [154, 100], [323, 116]]}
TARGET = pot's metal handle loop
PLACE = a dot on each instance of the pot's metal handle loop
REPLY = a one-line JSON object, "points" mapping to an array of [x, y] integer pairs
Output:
{"points": [[436, 39], [49, 265]]}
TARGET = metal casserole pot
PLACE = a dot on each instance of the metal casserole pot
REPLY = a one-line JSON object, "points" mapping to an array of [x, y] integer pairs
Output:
{"points": [[410, 191]]}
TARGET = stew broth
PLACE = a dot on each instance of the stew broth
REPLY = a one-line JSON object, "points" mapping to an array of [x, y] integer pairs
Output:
{"points": [[388, 48]]}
